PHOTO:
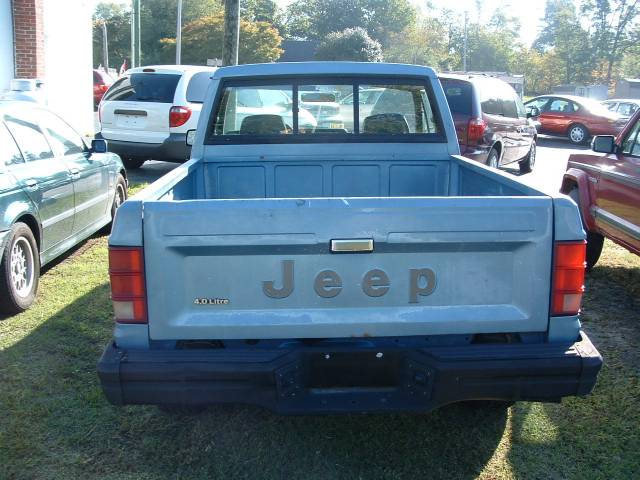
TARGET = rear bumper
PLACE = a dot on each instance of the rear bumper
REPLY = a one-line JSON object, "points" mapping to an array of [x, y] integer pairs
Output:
{"points": [[173, 149], [412, 379], [477, 153]]}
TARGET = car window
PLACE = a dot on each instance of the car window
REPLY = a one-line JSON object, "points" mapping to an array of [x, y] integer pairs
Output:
{"points": [[539, 103], [627, 109], [28, 136], [144, 87], [509, 107], [522, 111], [490, 98], [255, 110], [631, 144], [611, 106], [197, 88], [9, 152], [64, 139], [318, 106], [459, 96], [561, 106], [400, 109]]}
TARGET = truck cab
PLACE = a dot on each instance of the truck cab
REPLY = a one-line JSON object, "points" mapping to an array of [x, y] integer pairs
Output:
{"points": [[323, 269]]}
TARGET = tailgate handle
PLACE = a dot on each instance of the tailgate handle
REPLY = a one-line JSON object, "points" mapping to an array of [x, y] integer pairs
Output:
{"points": [[352, 245], [133, 113]]}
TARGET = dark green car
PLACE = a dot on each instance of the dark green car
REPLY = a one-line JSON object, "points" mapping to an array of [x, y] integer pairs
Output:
{"points": [[55, 191]]}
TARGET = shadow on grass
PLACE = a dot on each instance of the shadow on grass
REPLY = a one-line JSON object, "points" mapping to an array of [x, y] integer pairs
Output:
{"points": [[61, 426]]}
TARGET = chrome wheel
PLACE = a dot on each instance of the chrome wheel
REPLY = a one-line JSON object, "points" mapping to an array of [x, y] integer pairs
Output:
{"points": [[120, 196], [577, 134], [532, 156], [22, 263]]}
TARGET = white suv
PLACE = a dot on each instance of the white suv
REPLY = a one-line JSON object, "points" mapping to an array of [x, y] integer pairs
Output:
{"points": [[146, 113]]}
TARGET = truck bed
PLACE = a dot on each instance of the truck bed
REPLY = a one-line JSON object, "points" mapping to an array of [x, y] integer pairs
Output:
{"points": [[225, 227]]}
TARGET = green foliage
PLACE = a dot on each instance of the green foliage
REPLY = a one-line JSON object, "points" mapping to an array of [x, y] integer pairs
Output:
{"points": [[563, 32], [202, 39], [315, 19], [118, 20], [352, 44]]}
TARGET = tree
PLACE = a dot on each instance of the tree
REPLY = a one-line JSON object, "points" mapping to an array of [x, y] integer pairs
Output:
{"points": [[612, 23], [351, 44], [158, 21], [118, 21], [563, 32], [315, 19], [422, 43], [202, 39]]}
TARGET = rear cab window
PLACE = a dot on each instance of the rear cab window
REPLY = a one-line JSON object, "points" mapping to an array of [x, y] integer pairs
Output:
{"points": [[303, 110], [144, 87]]}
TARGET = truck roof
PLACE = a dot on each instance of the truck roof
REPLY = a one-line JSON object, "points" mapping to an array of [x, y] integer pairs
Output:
{"points": [[324, 68]]}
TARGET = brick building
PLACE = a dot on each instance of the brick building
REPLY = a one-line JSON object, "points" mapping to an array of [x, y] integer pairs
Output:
{"points": [[50, 40]]}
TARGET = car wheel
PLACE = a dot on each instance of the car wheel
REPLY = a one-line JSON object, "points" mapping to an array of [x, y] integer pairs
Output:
{"points": [[120, 195], [19, 270], [526, 165], [132, 163], [493, 158], [595, 241], [578, 134]]}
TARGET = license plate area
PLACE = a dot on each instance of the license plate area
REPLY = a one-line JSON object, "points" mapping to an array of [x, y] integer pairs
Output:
{"points": [[131, 121], [343, 371]]}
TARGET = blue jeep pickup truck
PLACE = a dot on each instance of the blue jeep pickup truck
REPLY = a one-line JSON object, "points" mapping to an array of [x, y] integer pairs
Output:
{"points": [[333, 269]]}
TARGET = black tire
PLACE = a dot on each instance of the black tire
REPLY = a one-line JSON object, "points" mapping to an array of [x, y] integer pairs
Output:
{"points": [[578, 134], [19, 270], [595, 241], [526, 165], [132, 163], [493, 158], [120, 195]]}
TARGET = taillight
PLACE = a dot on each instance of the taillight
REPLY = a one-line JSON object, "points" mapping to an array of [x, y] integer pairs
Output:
{"points": [[178, 116], [568, 277], [475, 130], [128, 292]]}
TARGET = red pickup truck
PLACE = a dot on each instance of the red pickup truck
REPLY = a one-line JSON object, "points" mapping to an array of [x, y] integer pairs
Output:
{"points": [[605, 184]]}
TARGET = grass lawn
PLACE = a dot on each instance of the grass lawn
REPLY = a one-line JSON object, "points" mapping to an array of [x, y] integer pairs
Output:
{"points": [[55, 422]]}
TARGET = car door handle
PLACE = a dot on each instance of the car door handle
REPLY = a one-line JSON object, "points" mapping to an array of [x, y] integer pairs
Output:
{"points": [[75, 172], [31, 183]]}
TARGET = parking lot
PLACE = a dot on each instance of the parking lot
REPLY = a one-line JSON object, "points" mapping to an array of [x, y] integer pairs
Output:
{"points": [[61, 426]]}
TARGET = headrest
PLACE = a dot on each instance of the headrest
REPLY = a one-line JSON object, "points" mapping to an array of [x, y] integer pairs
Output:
{"points": [[385, 123], [262, 125]]}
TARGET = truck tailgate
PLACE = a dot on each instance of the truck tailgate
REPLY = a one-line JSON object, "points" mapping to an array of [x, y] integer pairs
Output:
{"points": [[264, 268]]}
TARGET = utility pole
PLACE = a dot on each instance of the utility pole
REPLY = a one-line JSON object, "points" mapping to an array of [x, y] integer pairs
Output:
{"points": [[179, 35], [464, 47], [135, 34], [138, 30], [105, 47], [231, 32]]}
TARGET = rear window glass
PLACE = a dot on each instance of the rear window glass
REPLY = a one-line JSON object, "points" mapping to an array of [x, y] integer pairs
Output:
{"points": [[459, 96], [300, 110], [144, 87], [197, 88]]}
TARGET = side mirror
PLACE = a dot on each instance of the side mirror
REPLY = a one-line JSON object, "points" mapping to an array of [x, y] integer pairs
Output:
{"points": [[98, 145], [533, 112], [603, 144], [191, 137]]}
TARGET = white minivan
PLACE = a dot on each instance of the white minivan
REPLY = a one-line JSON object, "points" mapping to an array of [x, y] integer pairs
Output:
{"points": [[147, 113]]}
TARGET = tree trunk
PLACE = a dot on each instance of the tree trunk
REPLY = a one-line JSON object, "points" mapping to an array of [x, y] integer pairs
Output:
{"points": [[231, 32]]}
